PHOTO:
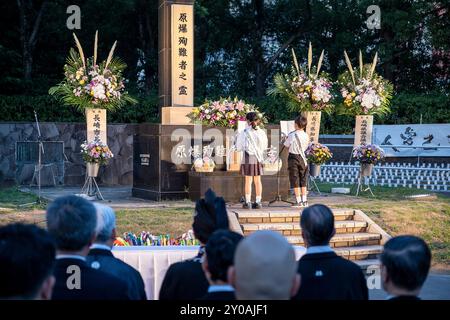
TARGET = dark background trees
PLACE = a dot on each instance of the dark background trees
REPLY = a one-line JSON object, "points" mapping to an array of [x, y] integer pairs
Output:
{"points": [[240, 45]]}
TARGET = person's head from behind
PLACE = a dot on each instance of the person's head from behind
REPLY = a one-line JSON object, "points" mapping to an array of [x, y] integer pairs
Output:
{"points": [[405, 263], [72, 222], [317, 225], [27, 256], [264, 268], [300, 123], [210, 215], [106, 225], [220, 251], [253, 119]]}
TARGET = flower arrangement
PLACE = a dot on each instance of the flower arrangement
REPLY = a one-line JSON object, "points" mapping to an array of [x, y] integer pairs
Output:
{"points": [[204, 164], [225, 112], [96, 152], [148, 239], [305, 90], [88, 84], [364, 92], [318, 153], [370, 153]]}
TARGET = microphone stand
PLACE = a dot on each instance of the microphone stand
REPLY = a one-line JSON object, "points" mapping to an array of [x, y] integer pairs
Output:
{"points": [[39, 165], [278, 196], [41, 149]]}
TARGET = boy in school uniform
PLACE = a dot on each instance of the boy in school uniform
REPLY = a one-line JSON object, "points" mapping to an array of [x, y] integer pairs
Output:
{"points": [[297, 142]]}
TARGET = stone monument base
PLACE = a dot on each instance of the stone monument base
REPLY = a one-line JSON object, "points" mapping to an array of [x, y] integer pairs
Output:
{"points": [[175, 115]]}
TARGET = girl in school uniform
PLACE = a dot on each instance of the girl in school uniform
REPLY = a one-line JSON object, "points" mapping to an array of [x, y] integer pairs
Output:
{"points": [[253, 142], [297, 142]]}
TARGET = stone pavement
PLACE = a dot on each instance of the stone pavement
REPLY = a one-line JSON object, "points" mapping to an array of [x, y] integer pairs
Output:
{"points": [[436, 287]]}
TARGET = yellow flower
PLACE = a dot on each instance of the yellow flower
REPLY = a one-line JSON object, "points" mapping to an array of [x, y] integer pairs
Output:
{"points": [[353, 94], [82, 81], [92, 92]]}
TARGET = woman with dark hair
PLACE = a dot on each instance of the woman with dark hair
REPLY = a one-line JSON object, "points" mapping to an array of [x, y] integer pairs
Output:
{"points": [[186, 280], [253, 142]]}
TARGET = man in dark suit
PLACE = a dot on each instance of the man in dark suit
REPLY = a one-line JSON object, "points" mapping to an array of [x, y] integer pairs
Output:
{"points": [[101, 258], [72, 220], [405, 263], [185, 280], [219, 256], [27, 258], [325, 275]]}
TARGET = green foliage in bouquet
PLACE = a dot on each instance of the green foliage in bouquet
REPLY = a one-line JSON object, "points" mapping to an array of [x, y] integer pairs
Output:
{"points": [[87, 84], [305, 90], [363, 91]]}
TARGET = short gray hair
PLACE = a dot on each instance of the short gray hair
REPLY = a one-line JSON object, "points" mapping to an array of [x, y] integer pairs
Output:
{"points": [[106, 222], [71, 221], [265, 267]]}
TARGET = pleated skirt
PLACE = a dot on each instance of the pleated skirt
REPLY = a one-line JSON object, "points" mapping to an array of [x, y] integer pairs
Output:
{"points": [[250, 166]]}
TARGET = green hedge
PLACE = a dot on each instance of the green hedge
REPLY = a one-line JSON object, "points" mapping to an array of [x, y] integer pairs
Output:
{"points": [[406, 108], [20, 108]]}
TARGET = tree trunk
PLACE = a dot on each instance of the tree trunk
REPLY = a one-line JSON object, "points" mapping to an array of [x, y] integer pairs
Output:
{"points": [[258, 48], [29, 34]]}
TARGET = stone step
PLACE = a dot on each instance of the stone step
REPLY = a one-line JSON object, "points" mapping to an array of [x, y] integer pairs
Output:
{"points": [[293, 228], [344, 239], [279, 215], [360, 252], [373, 264]]}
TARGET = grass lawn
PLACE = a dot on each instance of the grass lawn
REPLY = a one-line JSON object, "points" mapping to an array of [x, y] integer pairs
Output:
{"points": [[397, 214], [428, 218]]}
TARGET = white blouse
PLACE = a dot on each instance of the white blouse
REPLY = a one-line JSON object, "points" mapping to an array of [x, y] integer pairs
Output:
{"points": [[252, 141]]}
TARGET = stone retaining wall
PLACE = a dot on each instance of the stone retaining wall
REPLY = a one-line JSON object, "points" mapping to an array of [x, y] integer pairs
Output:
{"points": [[120, 139]]}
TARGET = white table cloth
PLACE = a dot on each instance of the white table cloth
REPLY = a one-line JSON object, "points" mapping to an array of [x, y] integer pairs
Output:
{"points": [[153, 262]]}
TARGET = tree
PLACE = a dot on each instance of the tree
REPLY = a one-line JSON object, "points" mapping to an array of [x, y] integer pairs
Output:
{"points": [[30, 22]]}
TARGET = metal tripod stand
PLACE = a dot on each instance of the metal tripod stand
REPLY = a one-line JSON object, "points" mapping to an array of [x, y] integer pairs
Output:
{"points": [[361, 184], [38, 167], [91, 189], [278, 196]]}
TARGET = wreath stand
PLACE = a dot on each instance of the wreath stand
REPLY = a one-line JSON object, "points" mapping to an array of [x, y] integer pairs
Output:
{"points": [[90, 188]]}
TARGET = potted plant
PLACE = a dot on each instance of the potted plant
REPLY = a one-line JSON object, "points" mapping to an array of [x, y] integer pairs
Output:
{"points": [[368, 155], [95, 154], [317, 154]]}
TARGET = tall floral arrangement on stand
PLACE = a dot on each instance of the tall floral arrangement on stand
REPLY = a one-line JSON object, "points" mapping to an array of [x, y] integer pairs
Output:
{"points": [[363, 91], [305, 88], [95, 154], [93, 87], [225, 112], [368, 155], [317, 154], [88, 83]]}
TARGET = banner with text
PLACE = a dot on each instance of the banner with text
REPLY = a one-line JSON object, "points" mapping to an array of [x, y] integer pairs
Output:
{"points": [[182, 55], [363, 130], [96, 125], [313, 125], [420, 135]]}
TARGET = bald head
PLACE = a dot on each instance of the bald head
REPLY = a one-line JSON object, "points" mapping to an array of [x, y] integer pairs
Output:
{"points": [[265, 268]]}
